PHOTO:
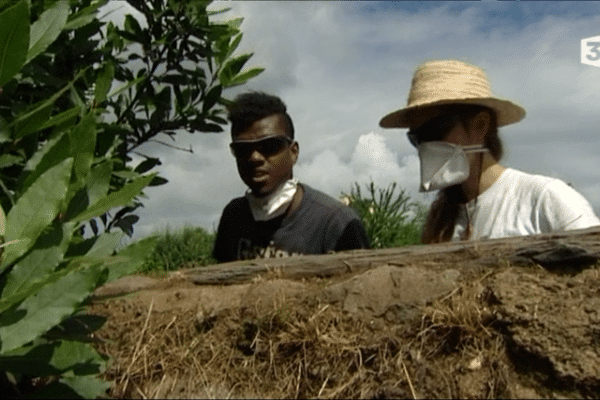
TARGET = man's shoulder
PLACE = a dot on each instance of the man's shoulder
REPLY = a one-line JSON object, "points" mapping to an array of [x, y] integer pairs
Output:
{"points": [[237, 204], [321, 198], [327, 203]]}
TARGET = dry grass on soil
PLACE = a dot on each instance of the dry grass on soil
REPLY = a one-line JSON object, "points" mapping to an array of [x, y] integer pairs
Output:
{"points": [[305, 349]]}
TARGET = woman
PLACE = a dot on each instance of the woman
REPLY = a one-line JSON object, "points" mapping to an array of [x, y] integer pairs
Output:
{"points": [[453, 120]]}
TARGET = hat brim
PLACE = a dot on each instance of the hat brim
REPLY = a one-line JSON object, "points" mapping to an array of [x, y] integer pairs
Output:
{"points": [[506, 112]]}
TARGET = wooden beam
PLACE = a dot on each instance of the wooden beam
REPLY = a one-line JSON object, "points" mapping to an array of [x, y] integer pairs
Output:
{"points": [[328, 265]]}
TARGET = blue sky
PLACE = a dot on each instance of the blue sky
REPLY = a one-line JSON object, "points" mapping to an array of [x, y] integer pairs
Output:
{"points": [[341, 66]]}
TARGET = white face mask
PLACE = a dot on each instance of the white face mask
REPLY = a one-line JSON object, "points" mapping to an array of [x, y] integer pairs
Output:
{"points": [[274, 204], [444, 164]]}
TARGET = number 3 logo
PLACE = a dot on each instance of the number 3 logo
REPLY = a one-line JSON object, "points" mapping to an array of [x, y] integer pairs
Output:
{"points": [[590, 51], [595, 48]]}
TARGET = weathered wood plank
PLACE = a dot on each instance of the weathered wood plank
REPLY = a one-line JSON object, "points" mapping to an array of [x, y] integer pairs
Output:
{"points": [[357, 260]]}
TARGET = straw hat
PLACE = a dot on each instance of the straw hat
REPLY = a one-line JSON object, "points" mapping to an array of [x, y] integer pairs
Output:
{"points": [[449, 82]]}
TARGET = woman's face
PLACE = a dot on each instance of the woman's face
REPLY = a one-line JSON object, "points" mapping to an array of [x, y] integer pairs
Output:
{"points": [[451, 128], [458, 135]]}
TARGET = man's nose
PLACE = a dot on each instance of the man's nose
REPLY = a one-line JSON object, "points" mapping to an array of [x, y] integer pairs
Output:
{"points": [[256, 156]]}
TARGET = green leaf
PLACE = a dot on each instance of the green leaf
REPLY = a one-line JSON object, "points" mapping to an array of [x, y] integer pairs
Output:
{"points": [[46, 29], [126, 174], [55, 150], [159, 180], [88, 387], [234, 45], [99, 181], [7, 160], [126, 223], [43, 359], [215, 12], [126, 86], [79, 22], [77, 356], [2, 222], [100, 246], [211, 98], [132, 25], [130, 259], [33, 360], [7, 302], [42, 105], [83, 144], [79, 327], [50, 305], [232, 68], [33, 122], [147, 165], [244, 76], [74, 387], [14, 40], [61, 117], [47, 253], [174, 79], [14, 31], [235, 22], [84, 16], [106, 244], [36, 209], [115, 199], [104, 82]]}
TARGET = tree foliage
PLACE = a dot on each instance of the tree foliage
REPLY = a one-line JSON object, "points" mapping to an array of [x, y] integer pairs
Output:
{"points": [[390, 219], [152, 78], [66, 135]]}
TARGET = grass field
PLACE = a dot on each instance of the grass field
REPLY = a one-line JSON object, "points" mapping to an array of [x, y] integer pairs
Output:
{"points": [[181, 248]]}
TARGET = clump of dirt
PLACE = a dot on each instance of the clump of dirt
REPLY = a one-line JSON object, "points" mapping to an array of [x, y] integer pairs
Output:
{"points": [[435, 328]]}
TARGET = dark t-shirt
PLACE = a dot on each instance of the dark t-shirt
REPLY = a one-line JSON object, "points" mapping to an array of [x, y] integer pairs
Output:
{"points": [[319, 225]]}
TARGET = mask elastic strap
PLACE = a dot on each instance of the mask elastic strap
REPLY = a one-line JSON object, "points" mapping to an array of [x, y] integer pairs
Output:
{"points": [[468, 232], [475, 148]]}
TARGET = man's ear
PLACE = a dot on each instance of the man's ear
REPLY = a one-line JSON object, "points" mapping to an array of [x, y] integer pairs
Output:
{"points": [[295, 150]]}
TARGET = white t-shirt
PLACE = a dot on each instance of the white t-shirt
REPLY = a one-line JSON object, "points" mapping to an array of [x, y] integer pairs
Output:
{"points": [[520, 204]]}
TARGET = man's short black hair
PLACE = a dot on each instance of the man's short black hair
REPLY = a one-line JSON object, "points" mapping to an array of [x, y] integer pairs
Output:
{"points": [[250, 107]]}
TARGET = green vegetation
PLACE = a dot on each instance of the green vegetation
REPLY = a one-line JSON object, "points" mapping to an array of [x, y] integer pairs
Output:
{"points": [[187, 247], [48, 268], [157, 76], [391, 220], [75, 103]]}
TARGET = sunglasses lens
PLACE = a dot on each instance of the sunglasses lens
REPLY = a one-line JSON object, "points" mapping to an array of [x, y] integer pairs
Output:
{"points": [[271, 146], [432, 130], [239, 150], [267, 147]]}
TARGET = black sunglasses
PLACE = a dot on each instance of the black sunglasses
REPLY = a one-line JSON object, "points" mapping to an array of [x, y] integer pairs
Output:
{"points": [[433, 130], [267, 146]]}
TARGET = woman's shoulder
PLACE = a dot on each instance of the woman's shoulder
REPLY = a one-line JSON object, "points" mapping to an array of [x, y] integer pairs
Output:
{"points": [[526, 177], [524, 181]]}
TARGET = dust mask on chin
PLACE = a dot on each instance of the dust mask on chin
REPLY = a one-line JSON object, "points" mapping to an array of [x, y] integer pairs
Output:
{"points": [[275, 204], [444, 164]]}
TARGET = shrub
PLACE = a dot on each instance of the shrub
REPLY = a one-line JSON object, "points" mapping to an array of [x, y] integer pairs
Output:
{"points": [[48, 269], [391, 220], [190, 246]]}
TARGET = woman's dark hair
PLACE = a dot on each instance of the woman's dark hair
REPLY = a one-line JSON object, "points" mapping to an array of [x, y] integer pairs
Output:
{"points": [[250, 107], [440, 222]]}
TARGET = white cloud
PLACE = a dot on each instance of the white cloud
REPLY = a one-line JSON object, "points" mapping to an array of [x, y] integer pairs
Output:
{"points": [[371, 160]]}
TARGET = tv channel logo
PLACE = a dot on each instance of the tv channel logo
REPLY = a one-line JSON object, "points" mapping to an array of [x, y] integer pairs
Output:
{"points": [[590, 51]]}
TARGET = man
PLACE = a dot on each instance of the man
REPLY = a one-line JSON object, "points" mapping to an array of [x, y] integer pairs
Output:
{"points": [[278, 216]]}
